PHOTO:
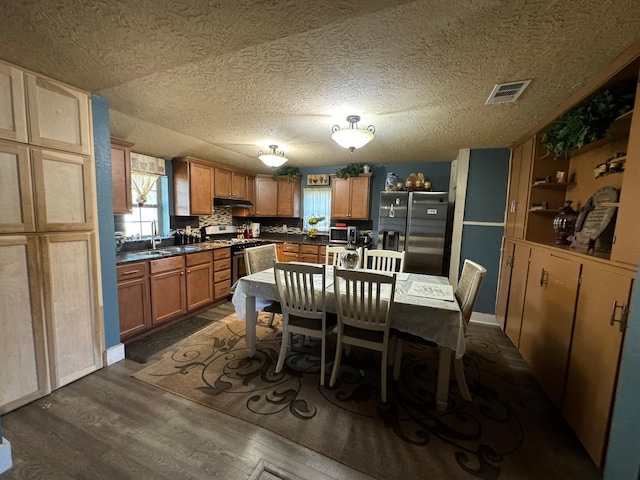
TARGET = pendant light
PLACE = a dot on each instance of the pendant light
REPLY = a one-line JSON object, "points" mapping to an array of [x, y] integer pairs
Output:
{"points": [[273, 158], [353, 137]]}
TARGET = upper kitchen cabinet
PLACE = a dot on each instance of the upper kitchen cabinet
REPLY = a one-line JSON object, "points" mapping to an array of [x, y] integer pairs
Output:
{"points": [[289, 197], [13, 115], [279, 198], [121, 176], [266, 196], [250, 182], [58, 115], [64, 193], [350, 197], [16, 194], [519, 183], [193, 189], [230, 184]]}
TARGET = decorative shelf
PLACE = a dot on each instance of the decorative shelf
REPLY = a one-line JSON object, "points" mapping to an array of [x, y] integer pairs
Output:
{"points": [[544, 210], [553, 185]]}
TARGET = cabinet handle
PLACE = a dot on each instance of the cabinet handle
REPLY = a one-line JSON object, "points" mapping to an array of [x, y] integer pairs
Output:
{"points": [[130, 272], [513, 206], [181, 273], [544, 278], [624, 308], [509, 261]]}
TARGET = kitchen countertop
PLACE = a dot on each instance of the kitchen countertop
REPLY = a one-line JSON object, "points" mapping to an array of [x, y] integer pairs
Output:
{"points": [[164, 252]]}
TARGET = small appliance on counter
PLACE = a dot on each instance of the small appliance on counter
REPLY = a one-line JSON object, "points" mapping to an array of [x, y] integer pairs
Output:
{"points": [[255, 229], [343, 234]]}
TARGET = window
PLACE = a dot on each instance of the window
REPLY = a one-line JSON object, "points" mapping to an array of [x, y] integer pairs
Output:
{"points": [[317, 203], [138, 222]]}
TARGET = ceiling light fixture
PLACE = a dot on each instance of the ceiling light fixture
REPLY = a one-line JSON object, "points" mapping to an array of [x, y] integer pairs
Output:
{"points": [[353, 137], [273, 158]]}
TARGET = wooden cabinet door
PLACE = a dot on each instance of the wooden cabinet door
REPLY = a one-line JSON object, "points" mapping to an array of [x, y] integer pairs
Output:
{"points": [[552, 288], [133, 299], [238, 185], [524, 185], [340, 198], [626, 248], [23, 375], [514, 180], [504, 282], [63, 190], [288, 197], [121, 176], [199, 279], [517, 291], [595, 357], [359, 198], [58, 115], [13, 113], [201, 189], [168, 296], [222, 182], [289, 256], [74, 331], [266, 197], [16, 192]]}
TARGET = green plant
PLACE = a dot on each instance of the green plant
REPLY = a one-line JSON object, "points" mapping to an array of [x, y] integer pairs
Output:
{"points": [[351, 170], [590, 120], [291, 172]]}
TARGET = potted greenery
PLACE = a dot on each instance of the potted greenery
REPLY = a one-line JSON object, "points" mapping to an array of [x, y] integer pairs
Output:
{"points": [[590, 120], [291, 172], [351, 170]]}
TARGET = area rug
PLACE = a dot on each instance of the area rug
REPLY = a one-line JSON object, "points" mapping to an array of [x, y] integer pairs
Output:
{"points": [[509, 431]]}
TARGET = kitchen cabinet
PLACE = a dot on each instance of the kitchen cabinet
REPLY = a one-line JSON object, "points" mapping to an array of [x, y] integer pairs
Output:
{"points": [[251, 196], [288, 204], [13, 112], [58, 115], [193, 188], [229, 183], [309, 253], [168, 289], [74, 328], [133, 298], [266, 196], [16, 191], [290, 252], [547, 320], [238, 185], [504, 282], [350, 197], [121, 176], [595, 356], [63, 193], [517, 292], [221, 273], [24, 372], [520, 181], [199, 279]]}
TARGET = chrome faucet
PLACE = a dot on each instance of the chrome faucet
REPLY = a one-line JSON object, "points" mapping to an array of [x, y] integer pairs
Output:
{"points": [[154, 234]]}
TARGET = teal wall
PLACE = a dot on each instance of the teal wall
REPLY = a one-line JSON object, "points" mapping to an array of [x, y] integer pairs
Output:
{"points": [[486, 198], [104, 193], [623, 457]]}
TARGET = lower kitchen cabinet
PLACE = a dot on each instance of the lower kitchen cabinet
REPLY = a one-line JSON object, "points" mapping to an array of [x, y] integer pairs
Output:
{"points": [[199, 279], [24, 372], [221, 273], [168, 289], [504, 282], [547, 320], [595, 356], [517, 291], [133, 298], [290, 252]]}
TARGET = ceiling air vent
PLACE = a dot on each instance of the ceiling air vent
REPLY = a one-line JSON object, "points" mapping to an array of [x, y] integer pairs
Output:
{"points": [[507, 92]]}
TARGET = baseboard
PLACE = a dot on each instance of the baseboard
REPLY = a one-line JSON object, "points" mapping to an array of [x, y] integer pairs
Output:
{"points": [[484, 318], [5, 455], [114, 354]]}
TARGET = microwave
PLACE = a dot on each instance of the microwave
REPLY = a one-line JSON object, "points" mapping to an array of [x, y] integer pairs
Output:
{"points": [[342, 234]]}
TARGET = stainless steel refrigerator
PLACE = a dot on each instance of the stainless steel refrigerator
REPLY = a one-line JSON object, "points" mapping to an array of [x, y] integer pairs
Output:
{"points": [[415, 222]]}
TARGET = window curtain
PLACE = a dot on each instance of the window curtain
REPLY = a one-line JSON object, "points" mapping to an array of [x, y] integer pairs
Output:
{"points": [[145, 171], [317, 203], [143, 183]]}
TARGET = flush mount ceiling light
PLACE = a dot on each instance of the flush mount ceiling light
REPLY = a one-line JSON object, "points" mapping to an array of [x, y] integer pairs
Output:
{"points": [[353, 137], [273, 158]]}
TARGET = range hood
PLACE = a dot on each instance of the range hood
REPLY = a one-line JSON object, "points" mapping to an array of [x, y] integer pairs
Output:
{"points": [[231, 202]]}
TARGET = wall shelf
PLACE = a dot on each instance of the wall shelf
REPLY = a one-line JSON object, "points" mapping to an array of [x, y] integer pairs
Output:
{"points": [[553, 185], [544, 210]]}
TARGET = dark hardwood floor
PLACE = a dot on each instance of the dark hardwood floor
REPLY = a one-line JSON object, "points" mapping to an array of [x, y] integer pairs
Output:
{"points": [[109, 425]]}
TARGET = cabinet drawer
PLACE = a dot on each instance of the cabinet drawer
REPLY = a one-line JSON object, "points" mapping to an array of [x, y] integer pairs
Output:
{"points": [[131, 270], [290, 247], [222, 289], [166, 264], [221, 276], [309, 258], [199, 258], [312, 249], [224, 264], [221, 253]]}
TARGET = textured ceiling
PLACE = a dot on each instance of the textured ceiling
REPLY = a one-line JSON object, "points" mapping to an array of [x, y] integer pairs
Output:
{"points": [[221, 80]]}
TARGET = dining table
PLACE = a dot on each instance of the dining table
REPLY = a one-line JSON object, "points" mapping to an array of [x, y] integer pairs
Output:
{"points": [[423, 306]]}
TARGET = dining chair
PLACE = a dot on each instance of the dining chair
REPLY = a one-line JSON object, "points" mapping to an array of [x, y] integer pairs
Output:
{"points": [[383, 260], [363, 303], [257, 259], [465, 294], [332, 255], [302, 297]]}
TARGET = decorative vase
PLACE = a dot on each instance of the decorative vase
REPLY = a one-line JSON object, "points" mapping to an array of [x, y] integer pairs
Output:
{"points": [[350, 258], [391, 181], [564, 223]]}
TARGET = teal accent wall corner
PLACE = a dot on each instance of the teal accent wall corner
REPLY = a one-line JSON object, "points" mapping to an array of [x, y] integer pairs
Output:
{"points": [[104, 194]]}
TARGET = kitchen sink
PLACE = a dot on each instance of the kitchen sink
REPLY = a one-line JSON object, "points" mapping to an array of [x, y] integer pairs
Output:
{"points": [[152, 253]]}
